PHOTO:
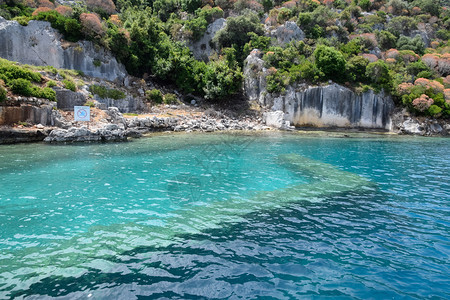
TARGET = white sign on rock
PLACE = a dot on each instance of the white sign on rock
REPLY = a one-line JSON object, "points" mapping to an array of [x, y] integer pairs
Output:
{"points": [[82, 113]]}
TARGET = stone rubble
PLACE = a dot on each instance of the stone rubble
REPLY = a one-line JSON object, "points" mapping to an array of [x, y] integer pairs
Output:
{"points": [[406, 124], [121, 128]]}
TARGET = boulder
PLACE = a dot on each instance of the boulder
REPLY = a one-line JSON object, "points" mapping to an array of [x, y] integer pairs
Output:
{"points": [[274, 119], [67, 99], [287, 32]]}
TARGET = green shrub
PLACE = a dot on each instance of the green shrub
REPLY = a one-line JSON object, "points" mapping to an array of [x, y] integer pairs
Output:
{"points": [[22, 87], [70, 85], [236, 31], [98, 90], [3, 93], [386, 40], [155, 96], [378, 73], [116, 94], [10, 71], [424, 74], [104, 92], [190, 5], [415, 44], [443, 34], [197, 26], [434, 110], [276, 82], [22, 20], [356, 69], [46, 93], [90, 103], [221, 79], [51, 83], [365, 4], [97, 63], [170, 98]]}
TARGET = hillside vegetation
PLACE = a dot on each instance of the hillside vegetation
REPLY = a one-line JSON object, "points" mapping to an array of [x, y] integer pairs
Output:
{"points": [[399, 46]]}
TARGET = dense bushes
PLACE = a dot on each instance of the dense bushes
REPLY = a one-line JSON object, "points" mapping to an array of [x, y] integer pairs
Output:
{"points": [[69, 27], [19, 79], [104, 92], [24, 87]]}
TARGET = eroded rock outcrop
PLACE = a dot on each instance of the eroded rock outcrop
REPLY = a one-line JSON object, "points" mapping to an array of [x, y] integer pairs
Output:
{"points": [[201, 49], [320, 106], [39, 44], [287, 32]]}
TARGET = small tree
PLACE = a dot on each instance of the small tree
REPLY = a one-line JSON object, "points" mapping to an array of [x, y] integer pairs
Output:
{"points": [[378, 73], [330, 61]]}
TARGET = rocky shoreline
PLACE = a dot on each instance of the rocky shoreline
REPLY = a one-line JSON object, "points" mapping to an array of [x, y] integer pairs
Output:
{"points": [[116, 127]]}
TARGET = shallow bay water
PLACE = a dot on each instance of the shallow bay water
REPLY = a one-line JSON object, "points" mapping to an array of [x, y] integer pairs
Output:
{"points": [[227, 216]]}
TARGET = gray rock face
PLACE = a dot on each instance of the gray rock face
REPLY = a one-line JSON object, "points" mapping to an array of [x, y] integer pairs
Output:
{"points": [[40, 44], [66, 99], [287, 33], [319, 106], [126, 105], [255, 76], [201, 49]]}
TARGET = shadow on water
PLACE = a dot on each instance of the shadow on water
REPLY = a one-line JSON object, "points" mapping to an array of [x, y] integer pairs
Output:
{"points": [[294, 229]]}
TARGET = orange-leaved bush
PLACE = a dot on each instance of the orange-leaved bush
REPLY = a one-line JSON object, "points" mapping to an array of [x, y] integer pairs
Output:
{"points": [[91, 25], [39, 10], [105, 5], [422, 103], [65, 11], [436, 86]]}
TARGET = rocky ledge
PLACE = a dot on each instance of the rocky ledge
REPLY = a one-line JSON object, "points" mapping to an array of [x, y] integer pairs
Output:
{"points": [[21, 135]]}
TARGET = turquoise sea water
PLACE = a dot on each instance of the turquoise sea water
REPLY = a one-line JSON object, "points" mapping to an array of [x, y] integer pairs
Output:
{"points": [[270, 216]]}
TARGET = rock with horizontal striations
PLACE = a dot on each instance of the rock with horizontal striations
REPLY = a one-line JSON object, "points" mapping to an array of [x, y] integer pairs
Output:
{"points": [[27, 113]]}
